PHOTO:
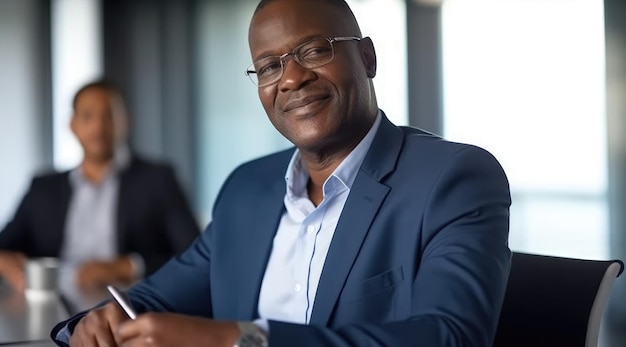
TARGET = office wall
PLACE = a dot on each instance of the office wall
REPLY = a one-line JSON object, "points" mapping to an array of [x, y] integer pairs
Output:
{"points": [[232, 125], [148, 52], [424, 68], [25, 117]]}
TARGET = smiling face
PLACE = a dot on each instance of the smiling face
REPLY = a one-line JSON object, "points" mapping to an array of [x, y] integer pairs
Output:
{"points": [[325, 109]]}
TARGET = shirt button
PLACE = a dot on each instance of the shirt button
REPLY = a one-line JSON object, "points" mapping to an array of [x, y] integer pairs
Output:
{"points": [[310, 228], [297, 287]]}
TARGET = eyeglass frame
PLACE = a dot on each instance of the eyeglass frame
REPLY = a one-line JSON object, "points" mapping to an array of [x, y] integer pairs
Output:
{"points": [[283, 58]]}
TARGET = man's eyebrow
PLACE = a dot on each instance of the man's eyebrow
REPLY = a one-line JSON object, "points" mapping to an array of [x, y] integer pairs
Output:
{"points": [[299, 42]]}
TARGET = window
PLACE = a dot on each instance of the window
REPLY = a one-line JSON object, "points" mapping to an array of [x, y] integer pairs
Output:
{"points": [[76, 60], [525, 80], [391, 52]]}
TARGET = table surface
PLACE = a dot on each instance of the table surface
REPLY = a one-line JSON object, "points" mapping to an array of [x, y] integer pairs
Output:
{"points": [[29, 317], [31, 344]]}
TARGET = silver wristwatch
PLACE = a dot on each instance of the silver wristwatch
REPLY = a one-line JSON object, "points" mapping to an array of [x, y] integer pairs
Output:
{"points": [[250, 335]]}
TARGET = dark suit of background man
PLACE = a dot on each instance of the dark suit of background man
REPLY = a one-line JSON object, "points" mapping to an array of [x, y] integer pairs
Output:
{"points": [[365, 234], [110, 220]]}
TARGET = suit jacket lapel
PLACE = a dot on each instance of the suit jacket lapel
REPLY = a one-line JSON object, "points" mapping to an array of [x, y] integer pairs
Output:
{"points": [[124, 203], [365, 198], [267, 212], [57, 226]]}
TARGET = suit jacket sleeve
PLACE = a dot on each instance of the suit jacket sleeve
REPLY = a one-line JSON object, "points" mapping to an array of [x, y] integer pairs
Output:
{"points": [[16, 234], [179, 225]]}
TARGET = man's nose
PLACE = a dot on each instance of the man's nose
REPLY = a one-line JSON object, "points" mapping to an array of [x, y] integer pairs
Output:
{"points": [[294, 75], [102, 124]]}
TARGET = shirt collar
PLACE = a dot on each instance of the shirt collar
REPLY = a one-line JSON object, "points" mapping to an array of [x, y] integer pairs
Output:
{"points": [[297, 177], [121, 160]]}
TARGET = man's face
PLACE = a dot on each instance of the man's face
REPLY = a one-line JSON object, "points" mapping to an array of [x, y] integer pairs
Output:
{"points": [[99, 123], [322, 108]]}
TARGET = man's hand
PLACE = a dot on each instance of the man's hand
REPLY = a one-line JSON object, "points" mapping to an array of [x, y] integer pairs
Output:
{"points": [[95, 275], [12, 269], [97, 327], [169, 329]]}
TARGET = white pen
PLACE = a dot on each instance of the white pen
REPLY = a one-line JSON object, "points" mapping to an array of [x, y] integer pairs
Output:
{"points": [[123, 301]]}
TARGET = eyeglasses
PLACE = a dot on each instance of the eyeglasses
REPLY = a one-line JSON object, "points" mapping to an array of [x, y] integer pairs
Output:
{"points": [[311, 54]]}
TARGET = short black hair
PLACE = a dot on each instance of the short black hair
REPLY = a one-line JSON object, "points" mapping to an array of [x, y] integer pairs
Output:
{"points": [[104, 84], [340, 3]]}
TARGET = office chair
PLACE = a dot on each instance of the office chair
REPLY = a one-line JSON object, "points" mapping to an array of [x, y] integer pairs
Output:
{"points": [[555, 301]]}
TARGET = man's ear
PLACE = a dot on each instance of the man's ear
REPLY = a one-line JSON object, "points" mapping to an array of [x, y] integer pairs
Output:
{"points": [[368, 54], [73, 124], [122, 125]]}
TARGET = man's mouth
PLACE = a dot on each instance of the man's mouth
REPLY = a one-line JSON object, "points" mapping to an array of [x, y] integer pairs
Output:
{"points": [[304, 103]]}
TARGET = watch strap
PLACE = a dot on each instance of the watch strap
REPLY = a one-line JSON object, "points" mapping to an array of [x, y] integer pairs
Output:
{"points": [[250, 335]]}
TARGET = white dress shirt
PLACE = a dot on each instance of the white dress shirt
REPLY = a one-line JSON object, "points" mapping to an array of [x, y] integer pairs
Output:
{"points": [[304, 236], [90, 226]]}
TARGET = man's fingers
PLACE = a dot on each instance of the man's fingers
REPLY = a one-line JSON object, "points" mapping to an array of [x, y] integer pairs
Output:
{"points": [[97, 327], [17, 281], [105, 340], [93, 275], [132, 328], [118, 319], [12, 269], [97, 339]]}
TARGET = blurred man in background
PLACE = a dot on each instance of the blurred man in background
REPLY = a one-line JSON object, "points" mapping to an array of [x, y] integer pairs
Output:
{"points": [[113, 219]]}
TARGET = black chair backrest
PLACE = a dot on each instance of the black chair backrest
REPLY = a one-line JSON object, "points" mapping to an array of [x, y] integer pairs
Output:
{"points": [[548, 300]]}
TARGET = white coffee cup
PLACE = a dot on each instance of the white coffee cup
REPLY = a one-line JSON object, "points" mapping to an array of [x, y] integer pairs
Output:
{"points": [[41, 274]]}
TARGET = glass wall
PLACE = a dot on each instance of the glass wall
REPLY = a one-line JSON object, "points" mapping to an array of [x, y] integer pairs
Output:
{"points": [[525, 80], [232, 127]]}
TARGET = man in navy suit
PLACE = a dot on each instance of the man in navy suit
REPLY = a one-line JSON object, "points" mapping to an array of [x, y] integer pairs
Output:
{"points": [[112, 219], [365, 234]]}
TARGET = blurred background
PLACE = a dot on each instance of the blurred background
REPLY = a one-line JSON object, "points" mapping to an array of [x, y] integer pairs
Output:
{"points": [[540, 84]]}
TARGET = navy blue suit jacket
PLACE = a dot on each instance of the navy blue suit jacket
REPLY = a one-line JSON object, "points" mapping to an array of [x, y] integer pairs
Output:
{"points": [[153, 217], [419, 257]]}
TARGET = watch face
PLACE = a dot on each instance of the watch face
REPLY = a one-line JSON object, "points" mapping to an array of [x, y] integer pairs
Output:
{"points": [[252, 340]]}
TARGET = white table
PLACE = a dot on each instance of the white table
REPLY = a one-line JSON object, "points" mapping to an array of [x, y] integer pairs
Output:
{"points": [[29, 317]]}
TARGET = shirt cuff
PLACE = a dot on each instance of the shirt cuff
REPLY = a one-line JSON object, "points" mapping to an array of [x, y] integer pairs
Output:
{"points": [[63, 337], [62, 332], [264, 325]]}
